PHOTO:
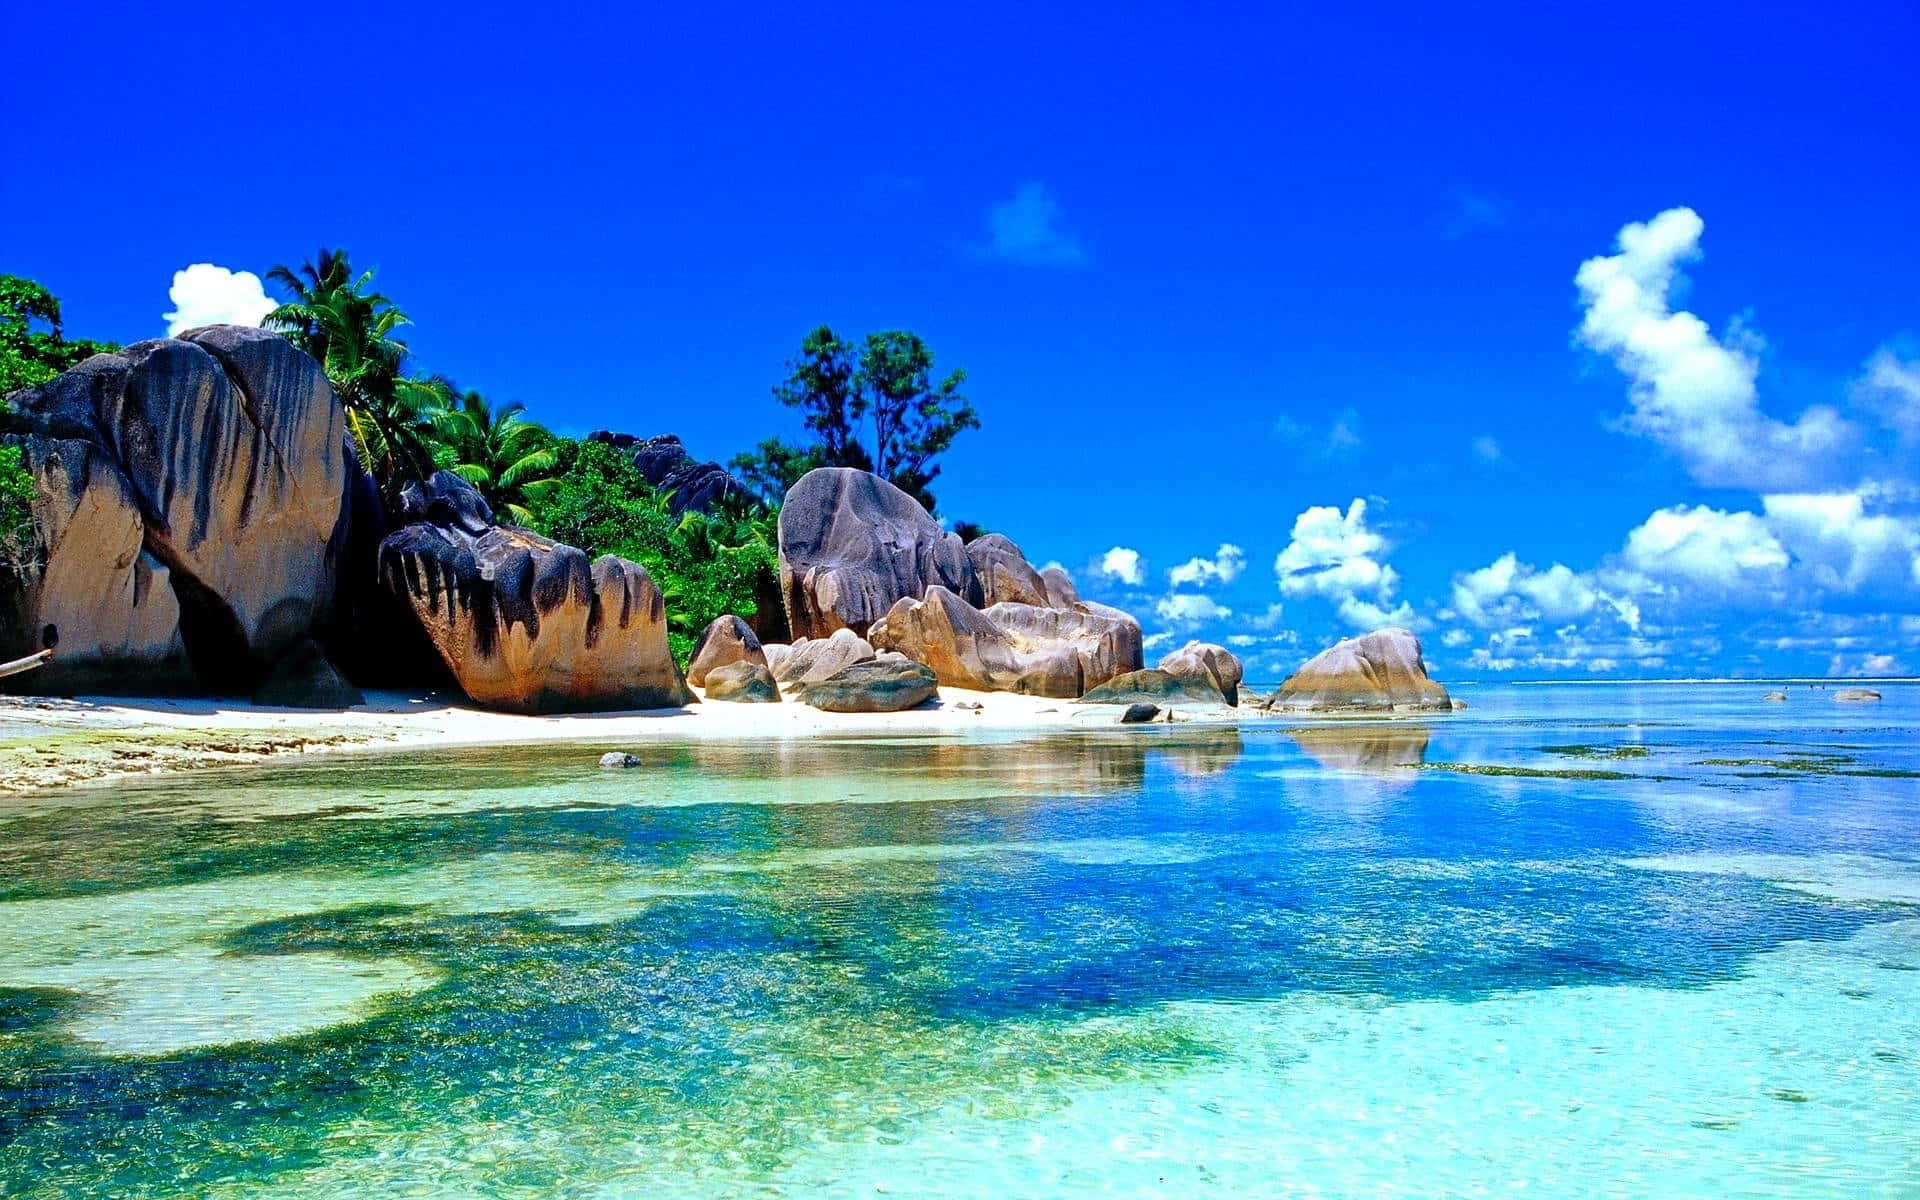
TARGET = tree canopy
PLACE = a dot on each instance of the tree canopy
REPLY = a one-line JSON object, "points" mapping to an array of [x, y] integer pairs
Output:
{"points": [[32, 347]]}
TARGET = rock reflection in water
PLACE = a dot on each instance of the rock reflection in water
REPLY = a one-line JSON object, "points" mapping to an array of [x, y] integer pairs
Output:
{"points": [[1372, 749]]}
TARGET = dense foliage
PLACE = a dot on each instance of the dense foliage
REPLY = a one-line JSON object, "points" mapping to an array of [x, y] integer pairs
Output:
{"points": [[32, 350], [875, 406], [507, 458], [706, 565]]}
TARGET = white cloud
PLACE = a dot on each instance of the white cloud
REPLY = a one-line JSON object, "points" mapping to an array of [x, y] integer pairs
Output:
{"points": [[1486, 449], [1704, 546], [1507, 590], [1864, 665], [1190, 608], [1125, 565], [1026, 230], [1843, 547], [1154, 641], [1341, 437], [1224, 567], [1453, 639], [1891, 389], [1693, 393], [204, 294], [1335, 555]]}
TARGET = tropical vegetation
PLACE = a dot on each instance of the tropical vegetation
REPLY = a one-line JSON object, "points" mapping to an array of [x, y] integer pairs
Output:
{"points": [[875, 404]]}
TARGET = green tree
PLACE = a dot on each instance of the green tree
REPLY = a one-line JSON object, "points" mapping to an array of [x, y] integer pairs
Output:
{"points": [[706, 565], [506, 457], [32, 347], [349, 328], [876, 406]]}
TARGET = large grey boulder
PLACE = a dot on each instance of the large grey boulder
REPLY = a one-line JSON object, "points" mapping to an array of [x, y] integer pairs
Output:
{"points": [[725, 640], [1152, 686], [1381, 670], [1003, 573], [526, 624], [229, 445], [1060, 590], [889, 684], [663, 462], [1211, 664], [852, 545]]}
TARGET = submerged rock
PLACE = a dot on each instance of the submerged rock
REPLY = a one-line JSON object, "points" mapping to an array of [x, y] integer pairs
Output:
{"points": [[1774, 696], [616, 760], [1381, 670], [726, 640], [893, 684], [743, 682], [1153, 686], [1207, 663], [1857, 696], [524, 623], [852, 545]]}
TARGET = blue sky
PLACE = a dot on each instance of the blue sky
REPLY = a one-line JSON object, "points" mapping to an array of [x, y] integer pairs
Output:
{"points": [[1215, 277]]}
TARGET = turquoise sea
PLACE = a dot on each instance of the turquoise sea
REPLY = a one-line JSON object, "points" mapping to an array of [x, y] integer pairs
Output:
{"points": [[1576, 941]]}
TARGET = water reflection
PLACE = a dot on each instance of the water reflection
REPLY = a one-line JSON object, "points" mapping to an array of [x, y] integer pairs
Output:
{"points": [[1373, 749]]}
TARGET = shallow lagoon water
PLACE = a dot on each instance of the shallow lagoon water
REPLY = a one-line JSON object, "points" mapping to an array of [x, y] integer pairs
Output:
{"points": [[1574, 941]]}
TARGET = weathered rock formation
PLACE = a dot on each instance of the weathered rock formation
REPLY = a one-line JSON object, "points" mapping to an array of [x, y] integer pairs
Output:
{"points": [[1857, 696], [526, 624], [1153, 686], [852, 545], [663, 462], [1139, 714], [743, 682], [192, 510], [1212, 665], [726, 639], [1060, 590], [887, 684], [813, 659], [1382, 670], [1008, 647], [1003, 573]]}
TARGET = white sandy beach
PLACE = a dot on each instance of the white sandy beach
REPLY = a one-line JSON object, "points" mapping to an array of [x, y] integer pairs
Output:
{"points": [[47, 742]]}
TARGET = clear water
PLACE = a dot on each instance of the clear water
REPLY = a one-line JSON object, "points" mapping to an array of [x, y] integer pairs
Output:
{"points": [[1677, 954]]}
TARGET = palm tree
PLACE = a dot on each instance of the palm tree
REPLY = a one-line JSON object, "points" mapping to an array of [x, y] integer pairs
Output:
{"points": [[349, 329], [507, 458]]}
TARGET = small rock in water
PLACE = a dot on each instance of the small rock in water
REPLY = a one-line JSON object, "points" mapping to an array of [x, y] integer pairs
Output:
{"points": [[1774, 696], [1857, 695], [968, 706], [615, 759], [1139, 714]]}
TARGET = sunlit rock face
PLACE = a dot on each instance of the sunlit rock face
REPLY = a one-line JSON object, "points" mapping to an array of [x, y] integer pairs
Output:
{"points": [[1004, 573], [526, 624], [1381, 670], [1214, 665], [852, 544], [1009, 647], [726, 640], [211, 468]]}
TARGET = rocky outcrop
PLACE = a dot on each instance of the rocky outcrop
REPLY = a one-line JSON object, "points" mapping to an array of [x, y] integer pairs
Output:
{"points": [[1060, 590], [888, 684], [813, 659], [1139, 714], [725, 640], [852, 545], [1003, 574], [212, 467], [1008, 647], [743, 682], [1154, 687], [1382, 670], [303, 678], [1857, 696], [663, 462], [526, 624], [1208, 663]]}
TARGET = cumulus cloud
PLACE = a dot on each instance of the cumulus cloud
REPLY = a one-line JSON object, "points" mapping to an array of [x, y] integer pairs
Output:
{"points": [[1486, 449], [1190, 608], [1890, 387], [1125, 565], [1224, 567], [1704, 546], [1026, 231], [1336, 556], [1691, 392], [1507, 590], [204, 294], [1840, 545]]}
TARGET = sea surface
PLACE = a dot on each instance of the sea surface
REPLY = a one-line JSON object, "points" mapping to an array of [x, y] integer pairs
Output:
{"points": [[1575, 941]]}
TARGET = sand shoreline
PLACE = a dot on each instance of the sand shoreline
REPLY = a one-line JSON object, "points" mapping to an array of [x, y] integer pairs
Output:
{"points": [[49, 742]]}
